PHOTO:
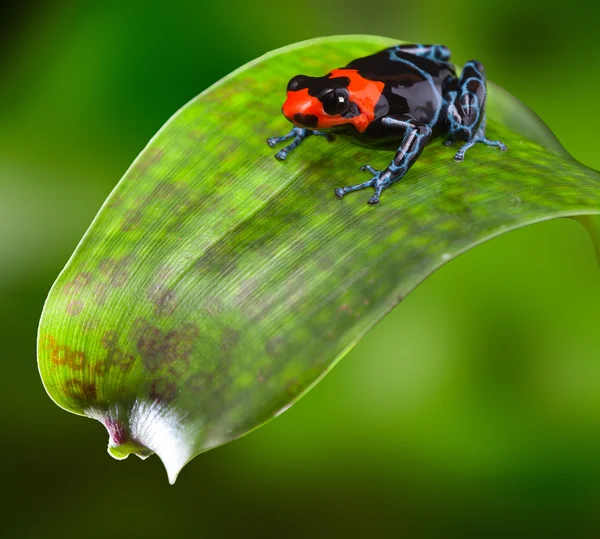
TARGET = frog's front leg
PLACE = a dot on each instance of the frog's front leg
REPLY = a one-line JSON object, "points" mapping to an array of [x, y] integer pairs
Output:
{"points": [[466, 110], [415, 136], [298, 134]]}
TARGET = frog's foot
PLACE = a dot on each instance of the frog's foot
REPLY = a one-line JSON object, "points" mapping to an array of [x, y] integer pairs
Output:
{"points": [[298, 134], [379, 182], [460, 154]]}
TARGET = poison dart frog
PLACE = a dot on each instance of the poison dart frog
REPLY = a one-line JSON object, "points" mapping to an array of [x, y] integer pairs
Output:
{"points": [[404, 96]]}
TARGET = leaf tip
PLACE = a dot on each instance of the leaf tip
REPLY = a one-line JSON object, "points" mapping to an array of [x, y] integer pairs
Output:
{"points": [[173, 466]]}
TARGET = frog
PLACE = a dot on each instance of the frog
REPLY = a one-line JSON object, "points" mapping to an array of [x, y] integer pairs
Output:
{"points": [[399, 98]]}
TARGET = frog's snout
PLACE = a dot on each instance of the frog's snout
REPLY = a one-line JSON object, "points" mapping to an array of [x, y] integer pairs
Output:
{"points": [[289, 109], [297, 111]]}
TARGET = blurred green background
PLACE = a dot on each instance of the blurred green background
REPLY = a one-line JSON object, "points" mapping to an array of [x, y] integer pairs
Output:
{"points": [[475, 405]]}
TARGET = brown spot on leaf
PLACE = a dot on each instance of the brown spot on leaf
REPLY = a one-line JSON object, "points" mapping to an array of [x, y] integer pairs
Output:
{"points": [[247, 289], [149, 158], [80, 281], [196, 134], [63, 355], [138, 327], [74, 307], [164, 300], [114, 273], [293, 387], [214, 306], [345, 308], [164, 191], [163, 390], [116, 356], [132, 220], [90, 324], [229, 338], [115, 201], [110, 339], [159, 349], [218, 260], [160, 295], [151, 348], [85, 391], [101, 290], [275, 345]]}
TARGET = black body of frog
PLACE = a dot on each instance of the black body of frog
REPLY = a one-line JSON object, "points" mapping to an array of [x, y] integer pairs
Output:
{"points": [[404, 95]]}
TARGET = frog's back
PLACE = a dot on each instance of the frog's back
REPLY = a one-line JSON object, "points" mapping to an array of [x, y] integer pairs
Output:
{"points": [[412, 84]]}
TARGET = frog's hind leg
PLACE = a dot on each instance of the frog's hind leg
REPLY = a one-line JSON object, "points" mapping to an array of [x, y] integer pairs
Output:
{"points": [[466, 110], [298, 135]]}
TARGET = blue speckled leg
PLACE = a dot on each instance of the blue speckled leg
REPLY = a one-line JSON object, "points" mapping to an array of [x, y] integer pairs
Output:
{"points": [[298, 134], [466, 110], [416, 136]]}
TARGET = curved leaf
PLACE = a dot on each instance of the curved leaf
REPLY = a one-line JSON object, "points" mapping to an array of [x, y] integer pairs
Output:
{"points": [[216, 285]]}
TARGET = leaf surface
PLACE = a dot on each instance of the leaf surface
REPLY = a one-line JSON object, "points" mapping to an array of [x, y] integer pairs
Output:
{"points": [[216, 285]]}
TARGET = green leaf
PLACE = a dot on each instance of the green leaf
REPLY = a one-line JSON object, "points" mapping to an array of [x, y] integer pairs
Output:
{"points": [[217, 285]]}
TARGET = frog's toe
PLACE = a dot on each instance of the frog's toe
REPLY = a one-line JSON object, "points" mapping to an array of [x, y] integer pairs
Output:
{"points": [[448, 142], [379, 186], [376, 182], [341, 191], [272, 141], [495, 143], [372, 170], [281, 155], [460, 154]]}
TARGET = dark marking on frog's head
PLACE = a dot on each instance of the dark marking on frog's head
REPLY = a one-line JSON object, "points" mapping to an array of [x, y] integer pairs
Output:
{"points": [[306, 120]]}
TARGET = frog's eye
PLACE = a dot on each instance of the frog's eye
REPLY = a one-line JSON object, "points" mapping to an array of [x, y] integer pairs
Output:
{"points": [[336, 102]]}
